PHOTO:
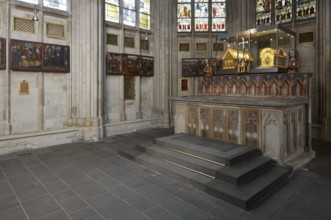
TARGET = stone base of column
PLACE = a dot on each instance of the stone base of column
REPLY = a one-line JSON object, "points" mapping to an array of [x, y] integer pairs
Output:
{"points": [[326, 130]]}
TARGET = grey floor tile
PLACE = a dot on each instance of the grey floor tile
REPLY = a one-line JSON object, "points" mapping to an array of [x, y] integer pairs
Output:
{"points": [[57, 163], [123, 191], [97, 175], [184, 211], [30, 191], [140, 203], [117, 173], [11, 163], [96, 217], [55, 187], [320, 207], [131, 215], [72, 204], [137, 184], [88, 188], [5, 189], [15, 171], [13, 214], [83, 214], [64, 195], [161, 198], [22, 180], [109, 183], [60, 215], [160, 214], [108, 205], [40, 207], [285, 215], [2, 177], [8, 202]]}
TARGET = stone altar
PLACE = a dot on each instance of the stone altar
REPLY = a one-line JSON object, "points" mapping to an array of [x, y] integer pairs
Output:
{"points": [[268, 111]]}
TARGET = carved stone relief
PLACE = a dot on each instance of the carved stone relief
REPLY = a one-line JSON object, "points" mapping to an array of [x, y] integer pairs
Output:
{"points": [[205, 122], [180, 119], [218, 128], [251, 128], [192, 120], [271, 135], [233, 126]]}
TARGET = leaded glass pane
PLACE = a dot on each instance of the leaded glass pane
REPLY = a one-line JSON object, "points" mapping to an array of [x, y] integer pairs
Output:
{"points": [[144, 16], [263, 12], [283, 11], [201, 24], [306, 9], [129, 17], [57, 4], [218, 24], [184, 16], [201, 10], [218, 10], [112, 13], [129, 4], [113, 2], [30, 1]]}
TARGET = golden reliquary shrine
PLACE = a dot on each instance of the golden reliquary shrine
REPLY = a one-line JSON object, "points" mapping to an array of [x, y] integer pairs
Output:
{"points": [[260, 50]]}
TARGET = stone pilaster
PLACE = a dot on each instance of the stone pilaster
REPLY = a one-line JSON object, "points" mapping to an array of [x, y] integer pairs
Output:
{"points": [[324, 47], [87, 66]]}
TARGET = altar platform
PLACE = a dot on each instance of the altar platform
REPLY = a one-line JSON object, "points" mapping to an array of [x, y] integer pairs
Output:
{"points": [[270, 112]]}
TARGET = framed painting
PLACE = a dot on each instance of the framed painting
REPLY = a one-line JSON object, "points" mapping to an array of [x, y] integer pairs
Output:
{"points": [[2, 53], [218, 47], [25, 56], [56, 58], [216, 66], [114, 64], [112, 39], [131, 65], [201, 47], [183, 84], [146, 66], [192, 67], [144, 44]]}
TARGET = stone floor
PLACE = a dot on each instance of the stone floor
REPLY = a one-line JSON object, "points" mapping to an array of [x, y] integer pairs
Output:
{"points": [[90, 181]]}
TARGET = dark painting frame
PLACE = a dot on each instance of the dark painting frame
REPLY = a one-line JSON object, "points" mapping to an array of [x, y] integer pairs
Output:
{"points": [[2, 53], [131, 65], [26, 55], [114, 63], [56, 58], [146, 66], [192, 67]]}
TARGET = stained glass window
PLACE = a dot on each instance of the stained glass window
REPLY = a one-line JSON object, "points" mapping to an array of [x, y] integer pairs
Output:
{"points": [[263, 12], [283, 11], [112, 10], [218, 15], [201, 15], [145, 14], [305, 9], [184, 8], [129, 12]]}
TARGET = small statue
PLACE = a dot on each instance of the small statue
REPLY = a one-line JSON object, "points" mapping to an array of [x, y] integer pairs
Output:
{"points": [[293, 63]]}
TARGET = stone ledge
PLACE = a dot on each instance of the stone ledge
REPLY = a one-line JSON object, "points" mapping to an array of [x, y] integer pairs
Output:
{"points": [[119, 127], [32, 140]]}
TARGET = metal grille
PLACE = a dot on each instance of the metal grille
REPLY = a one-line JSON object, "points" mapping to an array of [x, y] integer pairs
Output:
{"points": [[55, 30], [307, 37], [24, 25], [112, 39]]}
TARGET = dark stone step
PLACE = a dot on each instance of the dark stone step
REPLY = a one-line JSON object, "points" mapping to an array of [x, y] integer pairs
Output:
{"points": [[191, 162], [214, 150], [245, 171], [251, 193], [179, 173]]}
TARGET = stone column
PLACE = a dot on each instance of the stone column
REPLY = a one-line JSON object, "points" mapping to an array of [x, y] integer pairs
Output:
{"points": [[324, 66], [87, 67], [165, 35]]}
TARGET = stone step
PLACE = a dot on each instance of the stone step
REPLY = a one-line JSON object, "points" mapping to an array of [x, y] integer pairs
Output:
{"points": [[245, 171], [244, 196], [179, 173], [192, 162], [214, 150], [251, 193]]}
